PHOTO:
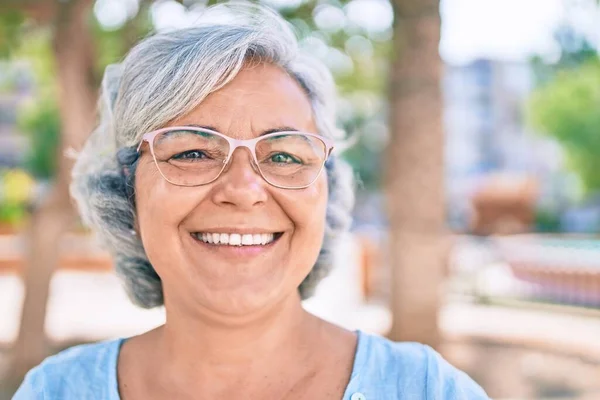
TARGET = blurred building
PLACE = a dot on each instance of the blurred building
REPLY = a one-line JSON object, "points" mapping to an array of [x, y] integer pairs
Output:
{"points": [[486, 134]]}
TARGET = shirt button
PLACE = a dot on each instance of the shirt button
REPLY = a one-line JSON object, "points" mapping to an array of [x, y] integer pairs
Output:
{"points": [[358, 396]]}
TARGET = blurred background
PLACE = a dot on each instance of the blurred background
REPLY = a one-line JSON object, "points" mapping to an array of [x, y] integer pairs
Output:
{"points": [[477, 127]]}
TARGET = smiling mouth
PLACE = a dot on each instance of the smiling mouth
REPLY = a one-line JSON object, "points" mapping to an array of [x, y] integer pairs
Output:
{"points": [[237, 239]]}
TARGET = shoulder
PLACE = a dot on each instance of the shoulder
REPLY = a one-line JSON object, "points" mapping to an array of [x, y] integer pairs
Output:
{"points": [[444, 381], [84, 371], [407, 367]]}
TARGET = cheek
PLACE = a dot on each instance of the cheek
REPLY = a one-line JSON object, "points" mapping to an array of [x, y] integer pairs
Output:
{"points": [[317, 203], [153, 203], [310, 224], [160, 209], [307, 209]]}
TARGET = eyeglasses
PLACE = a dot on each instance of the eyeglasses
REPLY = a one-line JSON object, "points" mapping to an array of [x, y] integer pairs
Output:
{"points": [[190, 156]]}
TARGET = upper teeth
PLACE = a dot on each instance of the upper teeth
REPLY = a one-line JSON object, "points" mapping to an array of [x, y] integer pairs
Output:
{"points": [[235, 239]]}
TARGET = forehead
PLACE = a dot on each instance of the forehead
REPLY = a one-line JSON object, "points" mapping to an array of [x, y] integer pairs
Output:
{"points": [[260, 97]]}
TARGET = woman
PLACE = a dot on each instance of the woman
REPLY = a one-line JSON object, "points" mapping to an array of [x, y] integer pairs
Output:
{"points": [[211, 179]]}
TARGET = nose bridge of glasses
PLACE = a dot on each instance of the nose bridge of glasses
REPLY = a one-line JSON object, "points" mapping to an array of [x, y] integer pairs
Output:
{"points": [[240, 145]]}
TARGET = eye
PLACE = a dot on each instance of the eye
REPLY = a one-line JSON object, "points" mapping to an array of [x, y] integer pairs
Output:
{"points": [[190, 155], [284, 158]]}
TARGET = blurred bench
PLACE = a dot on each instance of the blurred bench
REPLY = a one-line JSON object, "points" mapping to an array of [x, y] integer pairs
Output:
{"points": [[78, 252], [562, 269]]}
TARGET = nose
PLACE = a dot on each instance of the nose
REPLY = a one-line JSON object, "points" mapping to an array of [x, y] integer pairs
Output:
{"points": [[240, 184]]}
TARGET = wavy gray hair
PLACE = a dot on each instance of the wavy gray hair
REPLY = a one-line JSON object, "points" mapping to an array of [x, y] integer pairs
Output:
{"points": [[167, 75]]}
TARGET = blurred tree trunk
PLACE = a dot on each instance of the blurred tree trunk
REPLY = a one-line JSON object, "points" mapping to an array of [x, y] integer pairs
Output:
{"points": [[54, 215], [414, 172]]}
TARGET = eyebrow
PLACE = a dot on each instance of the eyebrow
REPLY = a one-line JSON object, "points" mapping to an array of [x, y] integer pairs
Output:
{"points": [[272, 130]]}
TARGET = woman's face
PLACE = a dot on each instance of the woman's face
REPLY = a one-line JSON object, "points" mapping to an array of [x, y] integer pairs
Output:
{"points": [[225, 279]]}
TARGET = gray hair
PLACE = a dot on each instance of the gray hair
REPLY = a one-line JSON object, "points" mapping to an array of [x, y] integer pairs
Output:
{"points": [[167, 75]]}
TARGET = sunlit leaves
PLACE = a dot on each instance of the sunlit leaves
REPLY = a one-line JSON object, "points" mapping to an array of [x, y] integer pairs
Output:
{"points": [[11, 25], [568, 109], [350, 36]]}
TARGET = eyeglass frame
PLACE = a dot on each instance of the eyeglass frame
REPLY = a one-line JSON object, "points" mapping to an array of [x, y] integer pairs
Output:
{"points": [[250, 144]]}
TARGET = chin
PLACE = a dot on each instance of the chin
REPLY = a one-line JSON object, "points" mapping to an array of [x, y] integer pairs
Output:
{"points": [[244, 300], [246, 305]]}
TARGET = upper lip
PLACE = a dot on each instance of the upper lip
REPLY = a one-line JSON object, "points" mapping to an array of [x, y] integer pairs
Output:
{"points": [[240, 231]]}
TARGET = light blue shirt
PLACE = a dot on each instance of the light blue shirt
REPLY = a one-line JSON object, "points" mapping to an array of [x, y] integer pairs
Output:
{"points": [[383, 370]]}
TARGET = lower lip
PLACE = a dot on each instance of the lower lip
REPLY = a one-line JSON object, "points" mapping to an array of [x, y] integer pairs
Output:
{"points": [[237, 250]]}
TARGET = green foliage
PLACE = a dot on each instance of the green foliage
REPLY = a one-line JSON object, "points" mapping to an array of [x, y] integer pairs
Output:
{"points": [[41, 123], [12, 213], [575, 50], [567, 109], [16, 191], [111, 45], [547, 220], [11, 23], [361, 88], [35, 49], [363, 54]]}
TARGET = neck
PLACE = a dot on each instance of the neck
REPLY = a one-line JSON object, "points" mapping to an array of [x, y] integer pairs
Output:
{"points": [[193, 345]]}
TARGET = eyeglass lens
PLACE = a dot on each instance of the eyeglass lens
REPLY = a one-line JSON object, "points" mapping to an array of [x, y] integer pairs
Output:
{"points": [[191, 157]]}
